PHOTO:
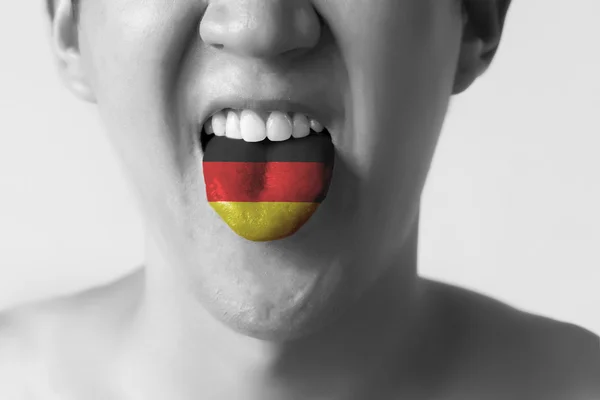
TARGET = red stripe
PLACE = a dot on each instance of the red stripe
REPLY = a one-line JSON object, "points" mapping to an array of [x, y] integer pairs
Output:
{"points": [[260, 181]]}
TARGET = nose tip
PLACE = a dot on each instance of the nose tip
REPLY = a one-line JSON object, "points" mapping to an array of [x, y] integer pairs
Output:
{"points": [[260, 28]]}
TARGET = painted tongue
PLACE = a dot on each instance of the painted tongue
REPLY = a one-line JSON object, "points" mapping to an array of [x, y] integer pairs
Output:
{"points": [[267, 190]]}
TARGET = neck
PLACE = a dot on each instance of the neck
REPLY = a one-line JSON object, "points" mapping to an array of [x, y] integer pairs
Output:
{"points": [[187, 347]]}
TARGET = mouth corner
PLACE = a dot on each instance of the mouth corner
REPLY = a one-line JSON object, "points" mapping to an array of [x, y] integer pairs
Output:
{"points": [[204, 139]]}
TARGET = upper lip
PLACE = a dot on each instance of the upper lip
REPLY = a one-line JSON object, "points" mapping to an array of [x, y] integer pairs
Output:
{"points": [[311, 108]]}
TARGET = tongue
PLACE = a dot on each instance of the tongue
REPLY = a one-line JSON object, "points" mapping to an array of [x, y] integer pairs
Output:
{"points": [[267, 190]]}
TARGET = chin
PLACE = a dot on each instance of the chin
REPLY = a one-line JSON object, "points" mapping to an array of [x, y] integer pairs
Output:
{"points": [[278, 325], [290, 314]]}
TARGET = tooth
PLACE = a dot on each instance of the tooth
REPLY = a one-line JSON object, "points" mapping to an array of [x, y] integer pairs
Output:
{"points": [[232, 129], [252, 127], [219, 121], [208, 127], [315, 125], [279, 126], [301, 126]]}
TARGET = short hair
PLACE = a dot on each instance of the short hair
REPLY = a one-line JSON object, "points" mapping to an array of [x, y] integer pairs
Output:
{"points": [[50, 4]]}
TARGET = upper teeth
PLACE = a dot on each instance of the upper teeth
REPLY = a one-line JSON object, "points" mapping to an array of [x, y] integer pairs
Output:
{"points": [[252, 127]]}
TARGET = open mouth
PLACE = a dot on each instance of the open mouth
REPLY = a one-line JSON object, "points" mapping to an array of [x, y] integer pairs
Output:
{"points": [[260, 127], [266, 173]]}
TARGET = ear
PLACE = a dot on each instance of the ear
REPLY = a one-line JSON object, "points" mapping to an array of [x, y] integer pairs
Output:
{"points": [[65, 46], [483, 21]]}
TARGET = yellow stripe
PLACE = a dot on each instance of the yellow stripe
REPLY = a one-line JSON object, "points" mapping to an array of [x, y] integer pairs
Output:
{"points": [[263, 221]]}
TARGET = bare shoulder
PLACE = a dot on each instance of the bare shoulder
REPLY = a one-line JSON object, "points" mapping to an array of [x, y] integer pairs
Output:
{"points": [[90, 306], [508, 353], [42, 341]]}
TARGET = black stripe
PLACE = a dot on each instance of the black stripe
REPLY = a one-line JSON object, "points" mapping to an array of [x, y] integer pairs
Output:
{"points": [[313, 148]]}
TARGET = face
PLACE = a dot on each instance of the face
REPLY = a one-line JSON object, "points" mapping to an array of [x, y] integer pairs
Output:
{"points": [[379, 74]]}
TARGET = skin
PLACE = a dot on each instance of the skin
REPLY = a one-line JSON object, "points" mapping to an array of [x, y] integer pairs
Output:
{"points": [[336, 311]]}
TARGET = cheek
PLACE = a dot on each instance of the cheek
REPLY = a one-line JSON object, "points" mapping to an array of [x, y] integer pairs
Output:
{"points": [[401, 72], [400, 58], [131, 50]]}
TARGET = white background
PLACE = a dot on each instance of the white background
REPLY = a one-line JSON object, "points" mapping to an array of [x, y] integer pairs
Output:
{"points": [[511, 207]]}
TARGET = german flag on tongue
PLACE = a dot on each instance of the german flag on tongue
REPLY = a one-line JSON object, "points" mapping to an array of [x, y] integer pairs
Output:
{"points": [[267, 190]]}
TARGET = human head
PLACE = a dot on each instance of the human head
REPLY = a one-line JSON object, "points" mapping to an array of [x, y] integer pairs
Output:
{"points": [[385, 70]]}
